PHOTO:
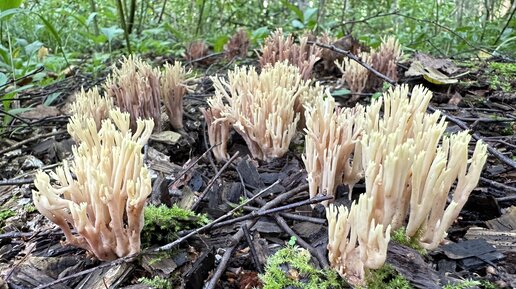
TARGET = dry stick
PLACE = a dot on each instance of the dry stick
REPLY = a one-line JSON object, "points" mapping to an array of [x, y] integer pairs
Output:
{"points": [[162, 248], [190, 166], [260, 213], [431, 108], [34, 138], [295, 217], [280, 221], [316, 253], [254, 256], [498, 185], [238, 235], [14, 182], [210, 225], [212, 181]]}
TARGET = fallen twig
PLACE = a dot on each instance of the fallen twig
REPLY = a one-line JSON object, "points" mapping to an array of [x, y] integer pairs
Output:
{"points": [[212, 181], [323, 262], [260, 212], [254, 256], [235, 239], [291, 216], [31, 139]]}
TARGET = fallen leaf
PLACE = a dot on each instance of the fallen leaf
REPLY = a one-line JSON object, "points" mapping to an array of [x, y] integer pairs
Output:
{"points": [[167, 137]]}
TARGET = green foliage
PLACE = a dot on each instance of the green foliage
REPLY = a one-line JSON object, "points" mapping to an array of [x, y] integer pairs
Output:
{"points": [[156, 282], [503, 76], [400, 237], [291, 266], [463, 285], [386, 278], [5, 214], [29, 208], [486, 284], [161, 223]]}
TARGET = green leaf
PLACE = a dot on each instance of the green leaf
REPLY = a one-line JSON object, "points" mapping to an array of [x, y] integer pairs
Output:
{"points": [[8, 13], [9, 4], [293, 8], [3, 79], [309, 14], [32, 47], [91, 17], [51, 98], [341, 92], [219, 42], [297, 24], [259, 34], [16, 111], [111, 32]]}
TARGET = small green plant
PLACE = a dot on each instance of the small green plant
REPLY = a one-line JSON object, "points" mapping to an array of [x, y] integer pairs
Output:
{"points": [[156, 282], [502, 76], [400, 237], [161, 223], [486, 284], [386, 278], [4, 215], [468, 283], [29, 208], [291, 266]]}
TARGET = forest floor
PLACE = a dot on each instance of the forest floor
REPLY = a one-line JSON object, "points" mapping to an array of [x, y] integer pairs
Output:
{"points": [[31, 253]]}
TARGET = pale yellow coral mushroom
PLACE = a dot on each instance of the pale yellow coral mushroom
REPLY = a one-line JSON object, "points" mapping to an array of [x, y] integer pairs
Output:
{"points": [[174, 86], [409, 173], [261, 106], [135, 87], [331, 139], [355, 241], [278, 48], [104, 202]]}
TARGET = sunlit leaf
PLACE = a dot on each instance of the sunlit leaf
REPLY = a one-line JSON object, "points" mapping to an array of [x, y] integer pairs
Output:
{"points": [[309, 14], [111, 32], [341, 92], [218, 43], [297, 24], [90, 18], [3, 79]]}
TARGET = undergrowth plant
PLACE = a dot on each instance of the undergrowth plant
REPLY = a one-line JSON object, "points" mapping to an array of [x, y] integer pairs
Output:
{"points": [[161, 223], [290, 267]]}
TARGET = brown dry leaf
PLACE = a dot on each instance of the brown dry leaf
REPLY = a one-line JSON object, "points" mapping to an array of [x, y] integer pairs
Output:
{"points": [[40, 112], [166, 137], [249, 280], [430, 74], [445, 65], [456, 99]]}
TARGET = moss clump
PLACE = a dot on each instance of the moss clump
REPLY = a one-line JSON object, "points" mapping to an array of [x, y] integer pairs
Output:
{"points": [[161, 223], [400, 237], [156, 282], [502, 76], [463, 285], [6, 214], [291, 266], [29, 208], [386, 278]]}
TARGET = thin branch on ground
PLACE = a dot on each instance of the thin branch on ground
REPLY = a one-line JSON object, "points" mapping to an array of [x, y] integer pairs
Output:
{"points": [[34, 138], [261, 213], [235, 239], [323, 262], [212, 181]]}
